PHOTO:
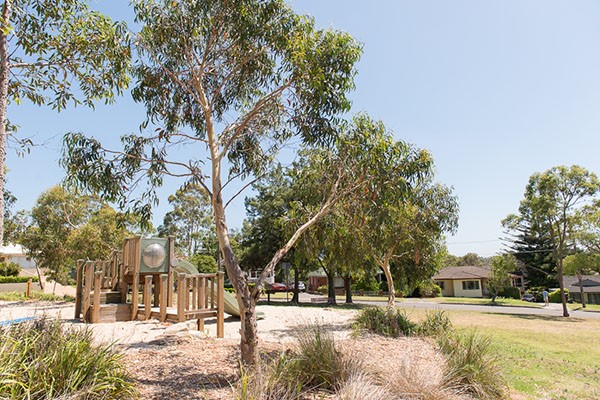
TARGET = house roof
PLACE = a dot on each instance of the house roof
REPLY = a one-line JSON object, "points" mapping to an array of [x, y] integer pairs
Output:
{"points": [[465, 272], [12, 250], [590, 283]]}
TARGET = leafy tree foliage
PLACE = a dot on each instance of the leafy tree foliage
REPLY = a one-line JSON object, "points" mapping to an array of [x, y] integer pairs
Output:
{"points": [[550, 206], [502, 266], [469, 259], [190, 221], [55, 53], [65, 227], [242, 77], [580, 264], [205, 263]]}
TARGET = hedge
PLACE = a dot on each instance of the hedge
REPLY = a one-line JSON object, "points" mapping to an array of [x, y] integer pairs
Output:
{"points": [[17, 279]]}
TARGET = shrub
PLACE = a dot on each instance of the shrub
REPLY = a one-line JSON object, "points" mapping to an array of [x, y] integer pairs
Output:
{"points": [[383, 286], [366, 283], [10, 269], [323, 289], [427, 289], [471, 368], [43, 359], [378, 320], [511, 293], [435, 324], [554, 296], [18, 279], [315, 364], [205, 263]]}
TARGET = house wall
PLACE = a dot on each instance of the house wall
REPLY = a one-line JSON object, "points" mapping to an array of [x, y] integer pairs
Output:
{"points": [[460, 292], [447, 287]]}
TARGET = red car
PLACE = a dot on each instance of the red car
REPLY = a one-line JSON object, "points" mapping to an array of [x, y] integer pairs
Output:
{"points": [[277, 287]]}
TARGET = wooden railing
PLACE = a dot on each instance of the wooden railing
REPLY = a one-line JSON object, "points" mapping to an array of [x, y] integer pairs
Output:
{"points": [[200, 296], [92, 278]]}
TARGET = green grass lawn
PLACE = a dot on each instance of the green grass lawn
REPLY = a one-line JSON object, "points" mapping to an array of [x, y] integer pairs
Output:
{"points": [[588, 307], [542, 357], [487, 302]]}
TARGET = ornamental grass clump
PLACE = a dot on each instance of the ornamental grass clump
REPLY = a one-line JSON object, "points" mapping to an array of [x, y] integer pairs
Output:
{"points": [[315, 364], [43, 359], [381, 321], [436, 323], [471, 367]]}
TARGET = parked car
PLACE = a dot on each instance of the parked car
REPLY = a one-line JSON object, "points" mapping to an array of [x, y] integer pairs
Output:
{"points": [[528, 297], [277, 287], [301, 286]]}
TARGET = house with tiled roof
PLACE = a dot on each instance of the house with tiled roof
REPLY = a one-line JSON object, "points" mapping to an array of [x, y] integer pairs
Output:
{"points": [[464, 281], [590, 285]]}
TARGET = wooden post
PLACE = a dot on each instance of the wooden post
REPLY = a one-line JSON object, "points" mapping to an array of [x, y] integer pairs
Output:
{"points": [[78, 288], [87, 289], [97, 289], [147, 296], [170, 294], [124, 264], [201, 305], [182, 294], [164, 281], [28, 288], [136, 277], [221, 306], [157, 288]]}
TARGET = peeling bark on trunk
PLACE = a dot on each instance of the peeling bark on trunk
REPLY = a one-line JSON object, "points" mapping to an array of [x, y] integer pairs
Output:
{"points": [[4, 74], [385, 266]]}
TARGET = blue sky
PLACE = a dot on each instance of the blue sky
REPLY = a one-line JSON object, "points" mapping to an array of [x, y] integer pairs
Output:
{"points": [[496, 90]]}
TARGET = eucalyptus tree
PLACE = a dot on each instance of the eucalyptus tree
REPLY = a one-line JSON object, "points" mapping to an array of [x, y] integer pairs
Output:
{"points": [[550, 205], [502, 266], [54, 53], [231, 81], [190, 221], [401, 210]]}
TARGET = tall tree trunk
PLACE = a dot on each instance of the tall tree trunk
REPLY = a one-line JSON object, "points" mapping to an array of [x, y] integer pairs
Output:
{"points": [[580, 279], [330, 288], [563, 297], [348, 288], [384, 264], [296, 297], [4, 71]]}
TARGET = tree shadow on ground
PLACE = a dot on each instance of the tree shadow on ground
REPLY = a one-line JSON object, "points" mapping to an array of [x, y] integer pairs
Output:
{"points": [[341, 306], [533, 317]]}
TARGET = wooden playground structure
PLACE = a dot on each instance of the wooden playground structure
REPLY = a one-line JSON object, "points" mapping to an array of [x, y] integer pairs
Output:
{"points": [[125, 289]]}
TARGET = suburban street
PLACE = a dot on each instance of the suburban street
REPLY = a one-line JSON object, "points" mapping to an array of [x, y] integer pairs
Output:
{"points": [[553, 310]]}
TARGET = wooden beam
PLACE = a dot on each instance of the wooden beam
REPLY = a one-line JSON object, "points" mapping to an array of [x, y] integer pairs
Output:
{"points": [[147, 296], [164, 281], [97, 289], [88, 276], [78, 288], [201, 304], [220, 305], [182, 294], [135, 286]]}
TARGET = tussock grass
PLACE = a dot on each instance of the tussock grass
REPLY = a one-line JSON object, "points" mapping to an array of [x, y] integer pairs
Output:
{"points": [[471, 367], [379, 320], [43, 359]]}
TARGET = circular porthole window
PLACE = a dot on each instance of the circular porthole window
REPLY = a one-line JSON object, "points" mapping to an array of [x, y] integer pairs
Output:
{"points": [[154, 255]]}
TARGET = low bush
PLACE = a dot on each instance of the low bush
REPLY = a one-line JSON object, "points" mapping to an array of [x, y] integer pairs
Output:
{"points": [[323, 289], [554, 296], [383, 286], [378, 320], [9, 269], [427, 289], [471, 368], [43, 359], [367, 284], [436, 323], [18, 279], [511, 293]]}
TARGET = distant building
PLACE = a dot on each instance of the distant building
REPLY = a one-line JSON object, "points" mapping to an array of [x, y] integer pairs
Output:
{"points": [[590, 285], [16, 253]]}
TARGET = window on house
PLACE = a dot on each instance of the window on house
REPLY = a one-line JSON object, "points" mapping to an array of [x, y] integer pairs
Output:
{"points": [[440, 284], [518, 282], [470, 285]]}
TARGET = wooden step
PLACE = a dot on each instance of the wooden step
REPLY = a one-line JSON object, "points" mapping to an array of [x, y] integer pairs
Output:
{"points": [[111, 313]]}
